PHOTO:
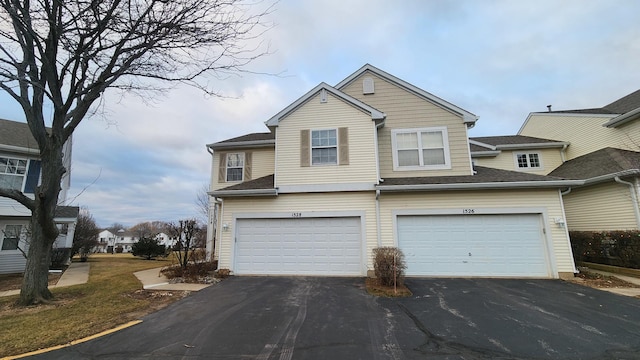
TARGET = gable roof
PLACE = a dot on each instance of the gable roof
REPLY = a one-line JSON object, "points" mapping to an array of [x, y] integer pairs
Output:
{"points": [[248, 140], [374, 113], [16, 136], [263, 186], [468, 117], [599, 165]]}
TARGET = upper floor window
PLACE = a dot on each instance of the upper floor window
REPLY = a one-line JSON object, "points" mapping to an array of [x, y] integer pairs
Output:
{"points": [[420, 149], [324, 147], [11, 237], [528, 160], [235, 166], [12, 173]]}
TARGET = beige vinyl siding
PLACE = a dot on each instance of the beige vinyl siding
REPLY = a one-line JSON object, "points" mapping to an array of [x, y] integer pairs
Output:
{"points": [[262, 164], [306, 204], [585, 133], [458, 200], [333, 114], [549, 158], [405, 110], [600, 207]]}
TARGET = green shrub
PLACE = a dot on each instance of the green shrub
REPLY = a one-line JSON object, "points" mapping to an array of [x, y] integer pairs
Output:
{"points": [[618, 248], [389, 265], [148, 248]]}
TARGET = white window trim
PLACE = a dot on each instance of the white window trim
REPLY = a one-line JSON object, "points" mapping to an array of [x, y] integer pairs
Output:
{"points": [[21, 238], [528, 168], [226, 168], [24, 177], [445, 143], [337, 146]]}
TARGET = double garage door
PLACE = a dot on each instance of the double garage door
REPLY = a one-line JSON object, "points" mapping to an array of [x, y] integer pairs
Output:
{"points": [[299, 246], [474, 245], [434, 245]]}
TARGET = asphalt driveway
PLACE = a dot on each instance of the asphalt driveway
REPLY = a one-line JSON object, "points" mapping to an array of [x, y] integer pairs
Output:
{"points": [[334, 318]]}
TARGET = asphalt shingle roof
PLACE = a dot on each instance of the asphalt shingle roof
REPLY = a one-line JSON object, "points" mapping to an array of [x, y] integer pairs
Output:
{"points": [[623, 105], [67, 212], [483, 175], [249, 137], [511, 140], [16, 133], [265, 182], [601, 162]]}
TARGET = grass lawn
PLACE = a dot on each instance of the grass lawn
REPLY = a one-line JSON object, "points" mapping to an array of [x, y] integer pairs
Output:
{"points": [[111, 297]]}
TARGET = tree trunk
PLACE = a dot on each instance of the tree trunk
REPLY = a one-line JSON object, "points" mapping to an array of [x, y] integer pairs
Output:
{"points": [[35, 283]]}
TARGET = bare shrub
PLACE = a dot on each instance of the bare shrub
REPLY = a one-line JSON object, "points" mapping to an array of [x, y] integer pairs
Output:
{"points": [[389, 265]]}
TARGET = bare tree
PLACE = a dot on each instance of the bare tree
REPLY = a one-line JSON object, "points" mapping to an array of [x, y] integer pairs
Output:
{"points": [[66, 54], [113, 228], [202, 203], [85, 237], [188, 235]]}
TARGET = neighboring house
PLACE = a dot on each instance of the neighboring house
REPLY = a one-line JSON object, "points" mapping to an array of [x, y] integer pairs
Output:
{"points": [[20, 170], [601, 147], [375, 161], [106, 242]]}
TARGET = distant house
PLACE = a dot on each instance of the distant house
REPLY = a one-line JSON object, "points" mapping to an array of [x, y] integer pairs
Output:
{"points": [[20, 169], [108, 242], [376, 161]]}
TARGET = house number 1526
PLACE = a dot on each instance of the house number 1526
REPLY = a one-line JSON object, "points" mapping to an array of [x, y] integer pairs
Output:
{"points": [[468, 211], [296, 215]]}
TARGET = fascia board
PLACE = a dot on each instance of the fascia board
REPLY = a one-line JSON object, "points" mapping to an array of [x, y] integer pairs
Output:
{"points": [[242, 144], [547, 145], [623, 119], [484, 145], [374, 113], [466, 115], [485, 153], [244, 193], [20, 149], [482, 186], [603, 178]]}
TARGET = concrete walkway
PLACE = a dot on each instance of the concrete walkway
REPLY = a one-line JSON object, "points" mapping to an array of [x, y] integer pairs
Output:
{"points": [[76, 274], [153, 279], [621, 291]]}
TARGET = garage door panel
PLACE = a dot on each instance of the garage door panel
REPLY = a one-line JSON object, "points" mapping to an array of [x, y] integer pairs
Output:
{"points": [[473, 245], [304, 246]]}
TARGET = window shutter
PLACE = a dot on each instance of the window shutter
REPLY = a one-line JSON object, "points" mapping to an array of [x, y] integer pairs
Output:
{"points": [[304, 148], [33, 176], [343, 145], [247, 166], [222, 169]]}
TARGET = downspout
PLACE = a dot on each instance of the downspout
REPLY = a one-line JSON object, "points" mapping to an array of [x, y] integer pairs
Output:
{"points": [[378, 232], [563, 154], [634, 198], [566, 192]]}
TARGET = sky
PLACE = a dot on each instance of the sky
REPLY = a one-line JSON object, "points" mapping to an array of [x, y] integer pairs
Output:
{"points": [[147, 160]]}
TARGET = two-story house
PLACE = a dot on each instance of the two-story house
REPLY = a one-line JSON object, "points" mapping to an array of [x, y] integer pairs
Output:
{"points": [[376, 161], [20, 170]]}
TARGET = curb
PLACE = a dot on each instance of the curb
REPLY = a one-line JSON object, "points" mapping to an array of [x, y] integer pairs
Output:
{"points": [[74, 342]]}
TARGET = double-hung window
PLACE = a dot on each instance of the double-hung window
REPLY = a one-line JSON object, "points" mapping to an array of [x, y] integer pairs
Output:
{"points": [[420, 149], [324, 147], [11, 237], [235, 166], [12, 173], [528, 161]]}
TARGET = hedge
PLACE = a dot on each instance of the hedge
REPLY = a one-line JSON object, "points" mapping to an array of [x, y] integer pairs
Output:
{"points": [[618, 248]]}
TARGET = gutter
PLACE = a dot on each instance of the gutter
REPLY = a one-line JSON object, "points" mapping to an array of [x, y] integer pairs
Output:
{"points": [[20, 149], [242, 144], [634, 198], [623, 119], [475, 154], [546, 145], [604, 178], [242, 193], [477, 186]]}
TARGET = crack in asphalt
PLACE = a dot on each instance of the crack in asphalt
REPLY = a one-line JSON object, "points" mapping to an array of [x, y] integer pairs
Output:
{"points": [[436, 345]]}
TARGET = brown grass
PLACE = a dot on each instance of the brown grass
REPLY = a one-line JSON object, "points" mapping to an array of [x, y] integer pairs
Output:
{"points": [[14, 281], [375, 288], [111, 297]]}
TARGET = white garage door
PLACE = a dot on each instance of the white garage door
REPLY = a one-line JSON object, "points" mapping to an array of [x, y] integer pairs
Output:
{"points": [[473, 245], [301, 246]]}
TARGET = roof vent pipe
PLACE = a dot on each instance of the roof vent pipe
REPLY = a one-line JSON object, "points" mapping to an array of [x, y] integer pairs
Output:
{"points": [[549, 107]]}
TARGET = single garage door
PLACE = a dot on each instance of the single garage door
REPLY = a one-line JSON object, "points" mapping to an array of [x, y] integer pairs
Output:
{"points": [[299, 246], [474, 245]]}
